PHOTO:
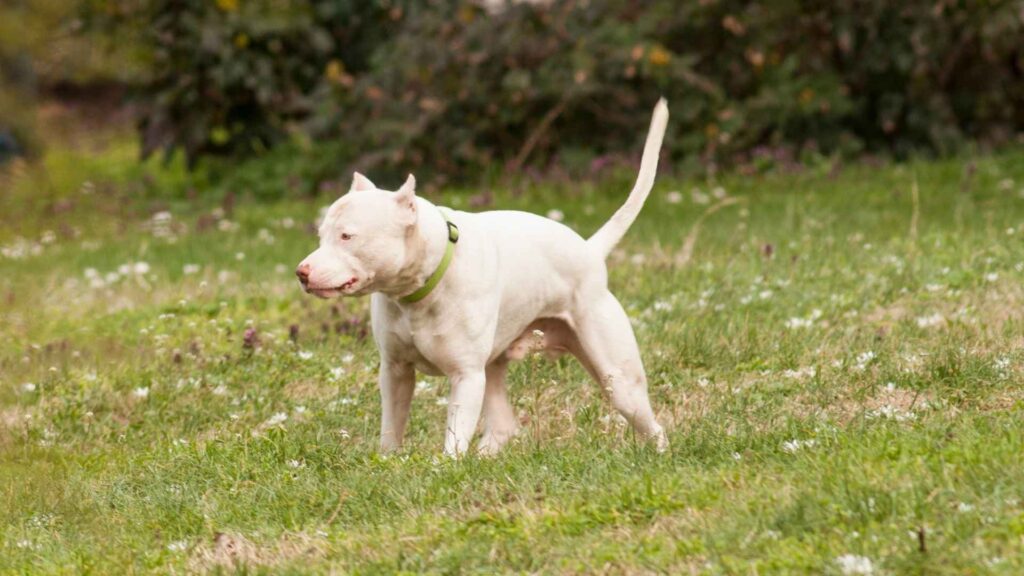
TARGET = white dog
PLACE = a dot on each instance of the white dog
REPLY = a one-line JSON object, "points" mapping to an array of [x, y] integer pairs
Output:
{"points": [[462, 294]]}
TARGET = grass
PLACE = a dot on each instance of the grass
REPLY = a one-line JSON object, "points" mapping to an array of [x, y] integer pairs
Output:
{"points": [[838, 364]]}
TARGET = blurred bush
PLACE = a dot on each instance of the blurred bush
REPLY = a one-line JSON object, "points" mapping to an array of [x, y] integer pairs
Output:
{"points": [[232, 77], [457, 89]]}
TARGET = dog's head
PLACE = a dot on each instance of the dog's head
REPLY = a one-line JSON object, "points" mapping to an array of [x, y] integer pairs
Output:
{"points": [[364, 239]]}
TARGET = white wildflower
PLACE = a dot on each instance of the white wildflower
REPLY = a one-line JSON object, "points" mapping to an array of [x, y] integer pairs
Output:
{"points": [[890, 412], [189, 269], [863, 359], [28, 387], [674, 197], [305, 355], [853, 565], [276, 419], [141, 392], [178, 546], [931, 321], [794, 446], [556, 215], [796, 322], [801, 373]]}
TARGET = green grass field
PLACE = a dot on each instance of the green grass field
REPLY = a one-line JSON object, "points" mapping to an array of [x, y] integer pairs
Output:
{"points": [[837, 358]]}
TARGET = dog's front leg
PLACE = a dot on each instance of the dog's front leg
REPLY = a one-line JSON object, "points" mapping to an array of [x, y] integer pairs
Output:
{"points": [[397, 382], [464, 404]]}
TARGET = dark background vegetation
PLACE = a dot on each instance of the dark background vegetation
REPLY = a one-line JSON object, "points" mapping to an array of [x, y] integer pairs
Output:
{"points": [[458, 91]]}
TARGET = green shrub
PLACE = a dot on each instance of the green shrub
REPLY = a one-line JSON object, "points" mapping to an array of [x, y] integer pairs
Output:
{"points": [[445, 86], [232, 77]]}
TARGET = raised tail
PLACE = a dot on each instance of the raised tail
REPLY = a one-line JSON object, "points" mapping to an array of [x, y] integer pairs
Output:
{"points": [[614, 229]]}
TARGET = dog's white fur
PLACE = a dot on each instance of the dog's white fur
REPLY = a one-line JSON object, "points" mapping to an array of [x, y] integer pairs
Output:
{"points": [[514, 276]]}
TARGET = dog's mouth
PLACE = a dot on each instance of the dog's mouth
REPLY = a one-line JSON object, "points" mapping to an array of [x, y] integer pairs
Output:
{"points": [[341, 290]]}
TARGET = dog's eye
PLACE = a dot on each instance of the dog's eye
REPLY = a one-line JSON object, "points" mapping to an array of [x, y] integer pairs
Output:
{"points": [[346, 236]]}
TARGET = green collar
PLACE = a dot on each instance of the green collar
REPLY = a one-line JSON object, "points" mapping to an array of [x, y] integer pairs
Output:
{"points": [[435, 278]]}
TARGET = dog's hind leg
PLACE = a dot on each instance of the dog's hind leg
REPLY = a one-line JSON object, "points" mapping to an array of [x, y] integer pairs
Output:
{"points": [[607, 348], [500, 423]]}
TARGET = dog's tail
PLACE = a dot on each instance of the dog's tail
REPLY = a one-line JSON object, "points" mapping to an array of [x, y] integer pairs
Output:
{"points": [[614, 229]]}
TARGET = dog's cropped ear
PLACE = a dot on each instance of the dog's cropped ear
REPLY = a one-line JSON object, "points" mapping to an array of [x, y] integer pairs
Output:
{"points": [[360, 182], [405, 197]]}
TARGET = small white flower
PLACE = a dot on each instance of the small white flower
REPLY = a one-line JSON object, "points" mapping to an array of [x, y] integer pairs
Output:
{"points": [[718, 192], [189, 269], [140, 268], [239, 256], [276, 419], [674, 197], [931, 321], [28, 387], [801, 373], [305, 355], [348, 358], [794, 446], [892, 413], [703, 382], [863, 359], [991, 277], [336, 373], [556, 215], [853, 565], [344, 434], [796, 322], [295, 464], [141, 392], [964, 507], [178, 546]]}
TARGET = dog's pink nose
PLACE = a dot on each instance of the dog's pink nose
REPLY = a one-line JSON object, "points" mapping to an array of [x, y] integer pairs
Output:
{"points": [[303, 273]]}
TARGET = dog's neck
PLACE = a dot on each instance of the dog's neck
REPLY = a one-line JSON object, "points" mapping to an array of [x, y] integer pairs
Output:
{"points": [[425, 248]]}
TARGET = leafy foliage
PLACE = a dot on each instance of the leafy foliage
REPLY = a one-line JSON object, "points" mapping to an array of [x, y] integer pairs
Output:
{"points": [[232, 78], [451, 86]]}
